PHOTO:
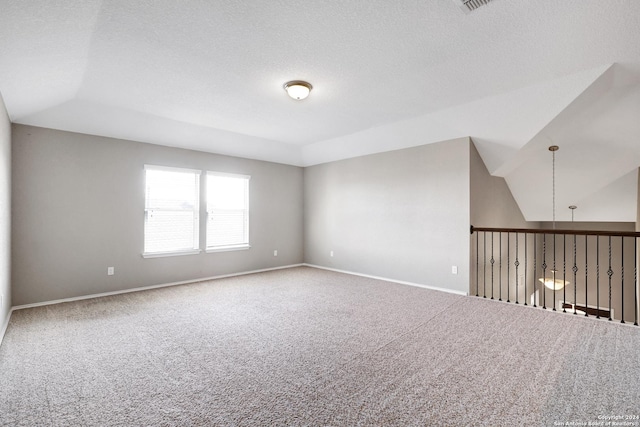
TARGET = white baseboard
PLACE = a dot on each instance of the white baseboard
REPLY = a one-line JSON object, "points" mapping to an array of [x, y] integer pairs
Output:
{"points": [[147, 288], [386, 279]]}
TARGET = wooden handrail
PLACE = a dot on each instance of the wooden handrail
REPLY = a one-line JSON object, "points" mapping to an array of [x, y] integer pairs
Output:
{"points": [[552, 231]]}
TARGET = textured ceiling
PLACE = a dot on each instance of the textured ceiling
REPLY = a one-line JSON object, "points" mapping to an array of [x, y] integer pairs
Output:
{"points": [[516, 76]]}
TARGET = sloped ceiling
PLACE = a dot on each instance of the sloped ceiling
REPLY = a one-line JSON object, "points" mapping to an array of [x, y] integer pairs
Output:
{"points": [[515, 76]]}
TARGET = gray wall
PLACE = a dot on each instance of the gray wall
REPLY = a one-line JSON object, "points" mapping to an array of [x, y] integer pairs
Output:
{"points": [[5, 214], [402, 215], [78, 207], [493, 205]]}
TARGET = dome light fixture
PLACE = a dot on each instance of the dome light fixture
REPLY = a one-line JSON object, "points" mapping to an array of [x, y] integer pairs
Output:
{"points": [[298, 89]]}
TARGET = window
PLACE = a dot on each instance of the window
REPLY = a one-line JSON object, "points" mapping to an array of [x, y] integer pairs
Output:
{"points": [[171, 217], [227, 211]]}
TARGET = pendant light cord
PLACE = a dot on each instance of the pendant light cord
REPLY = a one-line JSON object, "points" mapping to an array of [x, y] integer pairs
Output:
{"points": [[553, 184]]}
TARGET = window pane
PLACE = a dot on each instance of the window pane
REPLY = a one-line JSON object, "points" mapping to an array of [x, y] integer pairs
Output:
{"points": [[226, 192], [227, 227], [167, 231], [171, 190], [171, 210], [227, 210]]}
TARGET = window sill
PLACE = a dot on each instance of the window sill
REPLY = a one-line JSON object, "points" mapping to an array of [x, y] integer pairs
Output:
{"points": [[172, 253], [229, 248]]}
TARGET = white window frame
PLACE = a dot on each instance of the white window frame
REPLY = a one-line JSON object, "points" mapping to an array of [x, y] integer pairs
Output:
{"points": [[195, 210], [232, 247]]}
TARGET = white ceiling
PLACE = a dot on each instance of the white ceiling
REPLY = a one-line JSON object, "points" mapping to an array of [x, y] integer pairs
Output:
{"points": [[516, 76]]}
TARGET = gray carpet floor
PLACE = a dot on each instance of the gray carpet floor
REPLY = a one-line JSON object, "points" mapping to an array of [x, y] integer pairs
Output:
{"points": [[308, 347]]}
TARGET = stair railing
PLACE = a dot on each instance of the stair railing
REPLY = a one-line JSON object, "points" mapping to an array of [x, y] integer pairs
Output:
{"points": [[592, 273]]}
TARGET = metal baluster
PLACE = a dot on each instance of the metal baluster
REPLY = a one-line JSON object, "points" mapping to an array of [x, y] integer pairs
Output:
{"points": [[517, 263], [492, 262], [610, 273], [525, 268], [575, 275], [597, 277], [635, 281], [564, 271], [554, 272], [622, 277], [586, 277], [535, 266], [500, 268], [484, 265], [544, 270], [508, 265]]}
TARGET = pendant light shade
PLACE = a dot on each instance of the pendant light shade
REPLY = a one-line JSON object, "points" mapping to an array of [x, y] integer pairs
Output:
{"points": [[553, 283]]}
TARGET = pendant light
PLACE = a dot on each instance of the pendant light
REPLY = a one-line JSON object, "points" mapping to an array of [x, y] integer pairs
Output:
{"points": [[551, 282]]}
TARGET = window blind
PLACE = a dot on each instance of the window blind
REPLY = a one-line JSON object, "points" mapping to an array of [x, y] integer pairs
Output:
{"points": [[171, 210], [227, 210]]}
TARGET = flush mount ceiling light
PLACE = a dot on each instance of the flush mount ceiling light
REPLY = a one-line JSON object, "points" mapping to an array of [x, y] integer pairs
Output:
{"points": [[298, 89]]}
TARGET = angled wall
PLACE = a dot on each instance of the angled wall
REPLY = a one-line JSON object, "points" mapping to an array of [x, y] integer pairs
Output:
{"points": [[492, 204]]}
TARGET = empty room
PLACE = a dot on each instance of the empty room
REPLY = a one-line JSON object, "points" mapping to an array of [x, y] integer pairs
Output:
{"points": [[304, 213]]}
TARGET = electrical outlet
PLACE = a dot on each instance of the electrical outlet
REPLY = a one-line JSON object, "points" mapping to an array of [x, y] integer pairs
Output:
{"points": [[454, 269], [331, 253], [275, 253], [110, 271]]}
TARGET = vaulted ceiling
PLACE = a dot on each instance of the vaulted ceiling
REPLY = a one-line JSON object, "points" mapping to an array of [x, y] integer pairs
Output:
{"points": [[516, 76]]}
